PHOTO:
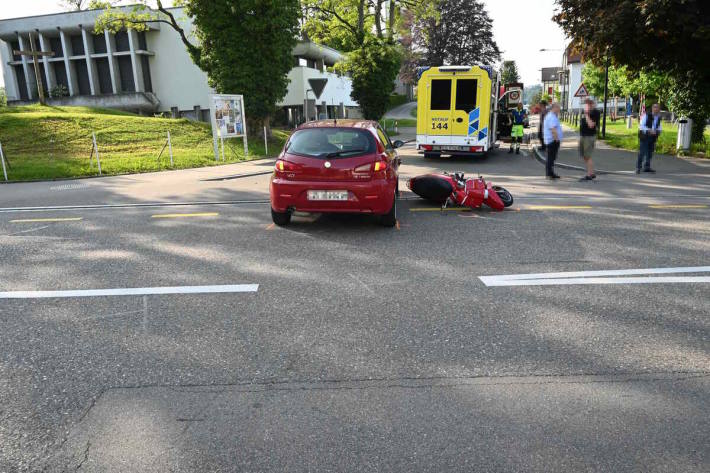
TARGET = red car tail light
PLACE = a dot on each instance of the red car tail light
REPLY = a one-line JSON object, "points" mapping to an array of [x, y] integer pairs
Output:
{"points": [[377, 166], [476, 149], [283, 166], [427, 147], [285, 169]]}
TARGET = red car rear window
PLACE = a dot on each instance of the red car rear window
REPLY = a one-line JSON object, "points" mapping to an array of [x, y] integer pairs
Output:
{"points": [[331, 143]]}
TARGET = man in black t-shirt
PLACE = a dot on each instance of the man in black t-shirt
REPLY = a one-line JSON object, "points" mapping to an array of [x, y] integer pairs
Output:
{"points": [[588, 126]]}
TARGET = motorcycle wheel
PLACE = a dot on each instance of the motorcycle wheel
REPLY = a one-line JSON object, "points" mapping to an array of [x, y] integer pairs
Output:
{"points": [[504, 195]]}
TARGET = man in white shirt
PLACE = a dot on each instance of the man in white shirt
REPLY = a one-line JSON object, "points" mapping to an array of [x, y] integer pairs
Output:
{"points": [[649, 131], [552, 135]]}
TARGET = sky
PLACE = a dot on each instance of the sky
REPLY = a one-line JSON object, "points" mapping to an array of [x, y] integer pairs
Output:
{"points": [[521, 28]]}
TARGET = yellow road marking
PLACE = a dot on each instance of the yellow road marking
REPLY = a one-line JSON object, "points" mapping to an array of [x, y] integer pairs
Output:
{"points": [[397, 225], [201, 214], [679, 206], [439, 209], [271, 226], [558, 207], [33, 220]]}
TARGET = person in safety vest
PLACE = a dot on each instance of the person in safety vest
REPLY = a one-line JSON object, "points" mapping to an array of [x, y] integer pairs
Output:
{"points": [[516, 133]]}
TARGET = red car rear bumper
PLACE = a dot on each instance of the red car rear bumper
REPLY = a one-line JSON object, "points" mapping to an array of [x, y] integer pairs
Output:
{"points": [[375, 196]]}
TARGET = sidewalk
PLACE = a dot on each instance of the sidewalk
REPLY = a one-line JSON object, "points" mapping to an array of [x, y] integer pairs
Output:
{"points": [[615, 160]]}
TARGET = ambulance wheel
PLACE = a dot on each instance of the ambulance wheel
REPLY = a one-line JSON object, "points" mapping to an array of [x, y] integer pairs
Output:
{"points": [[432, 155], [504, 195]]}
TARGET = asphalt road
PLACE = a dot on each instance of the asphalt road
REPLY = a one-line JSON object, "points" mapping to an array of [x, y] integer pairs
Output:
{"points": [[363, 348]]}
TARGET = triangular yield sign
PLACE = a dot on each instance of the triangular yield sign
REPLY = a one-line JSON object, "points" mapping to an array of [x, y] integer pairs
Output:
{"points": [[582, 91], [317, 85]]}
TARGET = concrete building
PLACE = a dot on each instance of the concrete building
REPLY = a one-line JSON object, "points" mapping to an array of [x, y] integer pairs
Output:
{"points": [[146, 72]]}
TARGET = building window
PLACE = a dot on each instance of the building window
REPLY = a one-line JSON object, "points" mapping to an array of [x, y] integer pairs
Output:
{"points": [[77, 45], [55, 44], [60, 74], [125, 71], [122, 41], [99, 44], [21, 82], [104, 72], [82, 77], [147, 82], [43, 78], [142, 44], [15, 47]]}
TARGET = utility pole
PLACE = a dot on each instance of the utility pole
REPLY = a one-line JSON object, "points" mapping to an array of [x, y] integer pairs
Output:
{"points": [[34, 54]]}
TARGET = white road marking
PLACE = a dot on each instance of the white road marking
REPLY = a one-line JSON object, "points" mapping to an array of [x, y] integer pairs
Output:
{"points": [[28, 231], [582, 281], [131, 291], [600, 277], [363, 284]]}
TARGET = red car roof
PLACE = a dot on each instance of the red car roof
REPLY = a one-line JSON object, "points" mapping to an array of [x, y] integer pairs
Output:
{"points": [[340, 123]]}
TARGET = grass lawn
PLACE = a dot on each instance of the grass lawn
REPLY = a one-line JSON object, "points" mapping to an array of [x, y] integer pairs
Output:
{"points": [[389, 124], [621, 137], [42, 142]]}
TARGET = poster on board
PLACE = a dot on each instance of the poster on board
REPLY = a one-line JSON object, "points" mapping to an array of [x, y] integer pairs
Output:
{"points": [[228, 119]]}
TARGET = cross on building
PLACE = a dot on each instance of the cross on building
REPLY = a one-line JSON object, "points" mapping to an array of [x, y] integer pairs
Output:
{"points": [[34, 55]]}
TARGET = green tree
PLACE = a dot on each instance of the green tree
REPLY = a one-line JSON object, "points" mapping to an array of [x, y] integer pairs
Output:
{"points": [[458, 32], [244, 46], [3, 97], [509, 72], [373, 68], [665, 36], [367, 32]]}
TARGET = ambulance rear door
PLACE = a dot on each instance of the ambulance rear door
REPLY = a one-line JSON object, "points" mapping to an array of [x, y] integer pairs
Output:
{"points": [[439, 111], [465, 113]]}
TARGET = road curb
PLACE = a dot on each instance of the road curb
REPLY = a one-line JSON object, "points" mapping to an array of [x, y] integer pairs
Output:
{"points": [[539, 157]]}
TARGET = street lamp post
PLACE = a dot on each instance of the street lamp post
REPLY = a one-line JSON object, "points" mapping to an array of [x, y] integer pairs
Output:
{"points": [[606, 95]]}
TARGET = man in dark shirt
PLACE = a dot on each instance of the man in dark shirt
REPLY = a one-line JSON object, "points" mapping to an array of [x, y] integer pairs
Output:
{"points": [[588, 126]]}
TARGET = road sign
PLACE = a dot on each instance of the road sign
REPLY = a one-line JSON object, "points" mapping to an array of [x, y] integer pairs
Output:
{"points": [[317, 85], [582, 91]]}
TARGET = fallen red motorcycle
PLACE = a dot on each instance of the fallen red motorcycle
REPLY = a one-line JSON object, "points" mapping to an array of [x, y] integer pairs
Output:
{"points": [[455, 189]]}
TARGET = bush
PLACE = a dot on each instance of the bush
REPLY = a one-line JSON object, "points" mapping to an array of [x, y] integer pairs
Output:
{"points": [[3, 97], [58, 91]]}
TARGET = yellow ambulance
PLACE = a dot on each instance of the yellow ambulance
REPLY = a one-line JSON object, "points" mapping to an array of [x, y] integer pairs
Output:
{"points": [[456, 110]]}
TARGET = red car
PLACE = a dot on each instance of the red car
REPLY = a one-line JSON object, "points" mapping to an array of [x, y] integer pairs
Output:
{"points": [[346, 166]]}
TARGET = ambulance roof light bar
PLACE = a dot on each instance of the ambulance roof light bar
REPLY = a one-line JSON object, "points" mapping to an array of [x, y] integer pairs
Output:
{"points": [[454, 68]]}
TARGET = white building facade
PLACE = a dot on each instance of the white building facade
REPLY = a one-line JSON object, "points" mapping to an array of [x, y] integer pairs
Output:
{"points": [[572, 66], [145, 72]]}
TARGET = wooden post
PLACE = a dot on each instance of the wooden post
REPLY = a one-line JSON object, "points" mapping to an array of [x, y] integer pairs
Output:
{"points": [[2, 158]]}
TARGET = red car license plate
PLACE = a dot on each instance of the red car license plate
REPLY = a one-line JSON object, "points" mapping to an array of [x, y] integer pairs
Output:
{"points": [[327, 195]]}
